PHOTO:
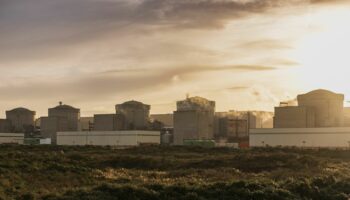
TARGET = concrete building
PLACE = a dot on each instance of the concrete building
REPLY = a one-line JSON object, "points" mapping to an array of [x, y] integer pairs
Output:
{"points": [[301, 137], [11, 138], [86, 123], [194, 120], [22, 120], [166, 119], [294, 117], [319, 108], [109, 122], [51, 125], [5, 126], [67, 112], [347, 117], [328, 107], [234, 125], [61, 118], [136, 115], [109, 138]]}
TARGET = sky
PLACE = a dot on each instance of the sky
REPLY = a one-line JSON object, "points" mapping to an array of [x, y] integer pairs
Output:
{"points": [[244, 54]]}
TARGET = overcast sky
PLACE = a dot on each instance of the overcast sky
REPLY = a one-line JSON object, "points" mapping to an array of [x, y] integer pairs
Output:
{"points": [[244, 54]]}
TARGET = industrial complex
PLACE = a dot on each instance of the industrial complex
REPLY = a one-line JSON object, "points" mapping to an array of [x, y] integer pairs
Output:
{"points": [[315, 119]]}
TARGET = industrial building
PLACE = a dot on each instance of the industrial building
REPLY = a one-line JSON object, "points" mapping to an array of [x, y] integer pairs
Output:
{"points": [[234, 125], [294, 117], [109, 138], [5, 126], [166, 119], [11, 138], [319, 108], [109, 122], [301, 137], [136, 115], [86, 123], [194, 120], [61, 118], [22, 120]]}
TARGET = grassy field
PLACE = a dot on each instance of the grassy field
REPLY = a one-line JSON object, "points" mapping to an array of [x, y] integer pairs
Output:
{"points": [[67, 173]]}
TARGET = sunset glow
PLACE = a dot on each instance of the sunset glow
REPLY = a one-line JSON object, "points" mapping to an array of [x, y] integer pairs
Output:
{"points": [[244, 54]]}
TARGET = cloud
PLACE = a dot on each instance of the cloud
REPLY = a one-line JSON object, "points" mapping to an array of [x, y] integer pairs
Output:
{"points": [[266, 44], [31, 21], [93, 50], [238, 88]]}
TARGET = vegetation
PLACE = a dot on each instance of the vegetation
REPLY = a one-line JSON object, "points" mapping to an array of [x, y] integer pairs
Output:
{"points": [[67, 173]]}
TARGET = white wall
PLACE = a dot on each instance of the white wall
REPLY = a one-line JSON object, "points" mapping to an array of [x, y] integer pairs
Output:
{"points": [[108, 138], [11, 138], [301, 137]]}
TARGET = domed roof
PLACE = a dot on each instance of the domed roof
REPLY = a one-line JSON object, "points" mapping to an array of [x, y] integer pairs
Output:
{"points": [[133, 102], [65, 107], [20, 109], [321, 93]]}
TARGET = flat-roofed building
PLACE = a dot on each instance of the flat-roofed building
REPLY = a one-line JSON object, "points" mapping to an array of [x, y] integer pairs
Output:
{"points": [[86, 123], [294, 117], [166, 119], [333, 137], [109, 122], [109, 138], [5, 126], [234, 125], [11, 138]]}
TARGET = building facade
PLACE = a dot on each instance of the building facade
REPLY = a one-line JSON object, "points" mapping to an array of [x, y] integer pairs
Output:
{"points": [[234, 125], [136, 115], [109, 122], [194, 120], [319, 108], [294, 117], [166, 119], [333, 137], [5, 126], [22, 120], [109, 138], [60, 118]]}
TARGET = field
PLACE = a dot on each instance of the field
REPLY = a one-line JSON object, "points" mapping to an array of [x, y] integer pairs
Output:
{"points": [[67, 173]]}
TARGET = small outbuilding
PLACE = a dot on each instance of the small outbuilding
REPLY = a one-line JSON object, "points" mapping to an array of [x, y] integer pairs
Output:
{"points": [[301, 137], [109, 138], [11, 138]]}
